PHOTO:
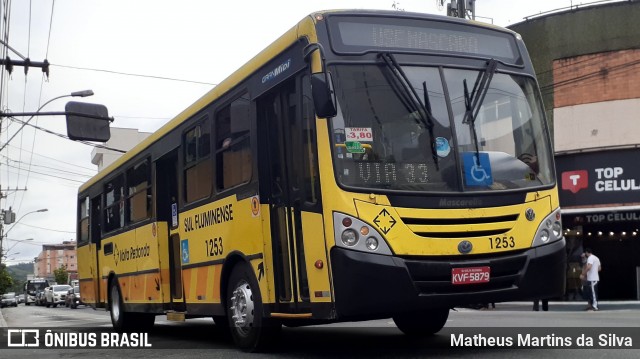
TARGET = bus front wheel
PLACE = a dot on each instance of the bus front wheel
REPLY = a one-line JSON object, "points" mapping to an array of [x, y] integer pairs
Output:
{"points": [[250, 330], [422, 323]]}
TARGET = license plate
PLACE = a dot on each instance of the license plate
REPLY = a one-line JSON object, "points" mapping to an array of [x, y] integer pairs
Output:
{"points": [[470, 275]]}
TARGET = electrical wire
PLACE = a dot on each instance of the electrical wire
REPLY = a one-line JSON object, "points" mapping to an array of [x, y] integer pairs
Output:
{"points": [[65, 136], [136, 75], [57, 160]]}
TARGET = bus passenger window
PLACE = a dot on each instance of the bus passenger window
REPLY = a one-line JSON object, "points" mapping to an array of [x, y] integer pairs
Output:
{"points": [[114, 204], [139, 195], [233, 145], [83, 230], [197, 151]]}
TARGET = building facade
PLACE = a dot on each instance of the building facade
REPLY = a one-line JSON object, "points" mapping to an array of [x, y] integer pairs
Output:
{"points": [[122, 139], [588, 63], [54, 256]]}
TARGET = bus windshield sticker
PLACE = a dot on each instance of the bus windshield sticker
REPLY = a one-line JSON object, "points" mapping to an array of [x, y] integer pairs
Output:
{"points": [[477, 169], [255, 206], [184, 245], [354, 147], [385, 221], [442, 147], [174, 215], [362, 134]]}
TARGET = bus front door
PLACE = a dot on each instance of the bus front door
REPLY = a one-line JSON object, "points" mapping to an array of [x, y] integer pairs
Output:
{"points": [[95, 246], [166, 173], [289, 183]]}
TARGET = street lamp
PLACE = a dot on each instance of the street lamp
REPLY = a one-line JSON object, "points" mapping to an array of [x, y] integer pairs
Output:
{"points": [[3, 235], [83, 93]]}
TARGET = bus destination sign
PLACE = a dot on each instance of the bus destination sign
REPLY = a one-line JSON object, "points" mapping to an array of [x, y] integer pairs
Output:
{"points": [[376, 34]]}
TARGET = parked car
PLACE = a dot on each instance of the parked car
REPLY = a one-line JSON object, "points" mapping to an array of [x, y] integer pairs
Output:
{"points": [[20, 298], [56, 295], [74, 298], [9, 300]]}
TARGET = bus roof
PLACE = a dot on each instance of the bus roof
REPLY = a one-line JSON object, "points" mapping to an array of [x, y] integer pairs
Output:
{"points": [[304, 28]]}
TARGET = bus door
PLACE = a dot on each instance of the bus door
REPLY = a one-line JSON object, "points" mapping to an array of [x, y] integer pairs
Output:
{"points": [[288, 180], [166, 174], [95, 249]]}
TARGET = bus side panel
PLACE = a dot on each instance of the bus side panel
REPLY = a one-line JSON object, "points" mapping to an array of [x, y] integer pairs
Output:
{"points": [[88, 279], [146, 283], [315, 250], [116, 257], [208, 235], [164, 278]]}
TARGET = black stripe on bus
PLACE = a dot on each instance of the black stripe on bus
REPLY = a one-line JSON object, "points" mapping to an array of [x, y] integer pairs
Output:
{"points": [[129, 274], [219, 261]]}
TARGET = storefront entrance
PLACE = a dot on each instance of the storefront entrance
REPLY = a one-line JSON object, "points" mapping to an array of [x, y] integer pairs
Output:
{"points": [[616, 243]]}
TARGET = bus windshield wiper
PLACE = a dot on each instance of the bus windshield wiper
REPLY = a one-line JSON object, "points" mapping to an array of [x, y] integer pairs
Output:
{"points": [[473, 101], [411, 96]]}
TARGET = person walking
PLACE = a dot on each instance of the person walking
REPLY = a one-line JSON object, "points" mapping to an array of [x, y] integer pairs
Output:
{"points": [[591, 274]]}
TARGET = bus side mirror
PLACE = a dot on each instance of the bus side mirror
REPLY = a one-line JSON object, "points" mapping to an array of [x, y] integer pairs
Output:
{"points": [[87, 122], [324, 98]]}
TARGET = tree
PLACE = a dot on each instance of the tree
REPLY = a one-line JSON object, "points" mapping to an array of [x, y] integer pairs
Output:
{"points": [[6, 281], [61, 275]]}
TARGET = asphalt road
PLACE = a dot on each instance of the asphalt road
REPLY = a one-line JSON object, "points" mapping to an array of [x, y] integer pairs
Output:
{"points": [[468, 334]]}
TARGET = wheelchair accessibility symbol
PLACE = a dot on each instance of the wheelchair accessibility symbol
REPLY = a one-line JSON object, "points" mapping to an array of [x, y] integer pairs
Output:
{"points": [[477, 169], [184, 244]]}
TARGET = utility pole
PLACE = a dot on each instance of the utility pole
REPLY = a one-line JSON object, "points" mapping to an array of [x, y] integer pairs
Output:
{"points": [[461, 8], [25, 62]]}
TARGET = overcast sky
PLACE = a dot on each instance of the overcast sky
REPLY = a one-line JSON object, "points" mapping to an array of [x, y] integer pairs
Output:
{"points": [[200, 42]]}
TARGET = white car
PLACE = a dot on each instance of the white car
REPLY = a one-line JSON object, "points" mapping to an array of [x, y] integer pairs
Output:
{"points": [[56, 295]]}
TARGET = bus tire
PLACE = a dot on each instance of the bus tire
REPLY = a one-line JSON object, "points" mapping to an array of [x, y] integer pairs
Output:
{"points": [[423, 323], [250, 330], [121, 319]]}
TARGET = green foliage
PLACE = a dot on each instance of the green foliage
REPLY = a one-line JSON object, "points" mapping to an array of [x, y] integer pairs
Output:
{"points": [[6, 282], [61, 275], [19, 274]]}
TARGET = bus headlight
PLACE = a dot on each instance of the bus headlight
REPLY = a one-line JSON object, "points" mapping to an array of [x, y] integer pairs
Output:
{"points": [[544, 236], [348, 230], [349, 237], [550, 229], [371, 243]]}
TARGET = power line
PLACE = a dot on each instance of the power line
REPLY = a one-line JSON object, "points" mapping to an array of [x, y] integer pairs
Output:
{"points": [[55, 159], [136, 75], [47, 229], [65, 136], [58, 169]]}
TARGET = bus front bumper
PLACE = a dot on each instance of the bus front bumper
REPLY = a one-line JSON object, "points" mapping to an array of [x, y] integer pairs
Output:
{"points": [[377, 286]]}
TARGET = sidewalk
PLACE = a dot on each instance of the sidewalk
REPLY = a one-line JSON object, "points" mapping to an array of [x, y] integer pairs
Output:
{"points": [[562, 306]]}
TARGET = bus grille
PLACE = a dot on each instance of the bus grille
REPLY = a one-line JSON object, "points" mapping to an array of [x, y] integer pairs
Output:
{"points": [[460, 227]]}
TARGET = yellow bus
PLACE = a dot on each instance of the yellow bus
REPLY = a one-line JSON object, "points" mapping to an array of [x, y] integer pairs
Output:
{"points": [[367, 164]]}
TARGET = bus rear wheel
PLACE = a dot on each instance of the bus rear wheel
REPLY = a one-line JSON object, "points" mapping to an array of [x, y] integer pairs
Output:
{"points": [[123, 320], [422, 323], [250, 330]]}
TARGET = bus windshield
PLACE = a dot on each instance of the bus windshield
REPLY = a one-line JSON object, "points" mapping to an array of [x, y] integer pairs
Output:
{"points": [[408, 128]]}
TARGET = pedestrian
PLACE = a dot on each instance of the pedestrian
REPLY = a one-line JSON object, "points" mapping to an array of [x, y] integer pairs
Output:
{"points": [[591, 274], [545, 305]]}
